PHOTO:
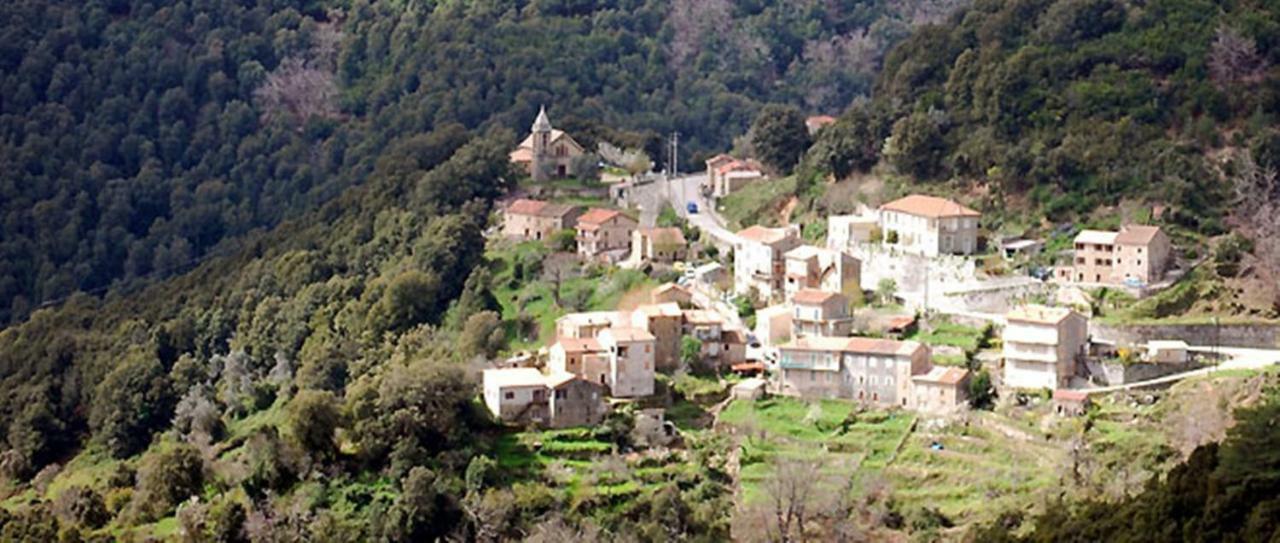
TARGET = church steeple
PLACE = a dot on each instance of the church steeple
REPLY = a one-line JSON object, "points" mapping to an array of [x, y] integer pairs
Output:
{"points": [[542, 124]]}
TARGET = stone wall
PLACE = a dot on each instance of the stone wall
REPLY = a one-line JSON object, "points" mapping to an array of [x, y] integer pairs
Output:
{"points": [[1115, 373], [1261, 336]]}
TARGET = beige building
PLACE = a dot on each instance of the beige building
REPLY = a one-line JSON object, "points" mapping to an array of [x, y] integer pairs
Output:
{"points": [[721, 346], [820, 313], [941, 390], [666, 323], [621, 359], [726, 175], [846, 232], [758, 259], [588, 325], [665, 244], [774, 324], [809, 267], [536, 220], [1042, 346], [527, 396], [604, 233], [930, 226], [547, 153], [1136, 255], [876, 371]]}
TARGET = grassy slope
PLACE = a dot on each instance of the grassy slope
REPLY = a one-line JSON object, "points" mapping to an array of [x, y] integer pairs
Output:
{"points": [[757, 203]]}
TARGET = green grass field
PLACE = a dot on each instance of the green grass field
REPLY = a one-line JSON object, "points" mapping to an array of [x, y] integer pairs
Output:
{"points": [[753, 203]]}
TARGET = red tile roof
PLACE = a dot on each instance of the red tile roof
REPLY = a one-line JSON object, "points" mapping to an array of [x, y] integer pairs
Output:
{"points": [[812, 296], [598, 216], [1137, 234], [943, 375], [1066, 394], [575, 345], [929, 206], [760, 234], [526, 207]]}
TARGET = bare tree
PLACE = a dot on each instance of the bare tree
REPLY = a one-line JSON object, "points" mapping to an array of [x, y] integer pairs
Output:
{"points": [[793, 495], [1233, 57], [1257, 210], [297, 90]]}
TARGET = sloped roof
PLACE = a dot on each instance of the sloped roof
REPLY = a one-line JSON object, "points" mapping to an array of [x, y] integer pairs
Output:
{"points": [[669, 234], [805, 252], [626, 334], [669, 309], [943, 375], [1038, 314], [719, 160], [929, 206], [702, 316], [576, 345], [883, 346], [1066, 394], [761, 234], [812, 296], [524, 206], [556, 136], [1137, 234], [514, 377], [1095, 237], [597, 216]]}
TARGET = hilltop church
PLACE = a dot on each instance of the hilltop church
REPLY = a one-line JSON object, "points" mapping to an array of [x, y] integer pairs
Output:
{"points": [[547, 153]]}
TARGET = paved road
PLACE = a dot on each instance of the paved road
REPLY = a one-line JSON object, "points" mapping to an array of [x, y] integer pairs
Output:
{"points": [[679, 192], [1239, 359]]}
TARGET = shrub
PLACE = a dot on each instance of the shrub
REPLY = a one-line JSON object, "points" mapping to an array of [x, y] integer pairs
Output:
{"points": [[82, 506], [166, 478]]}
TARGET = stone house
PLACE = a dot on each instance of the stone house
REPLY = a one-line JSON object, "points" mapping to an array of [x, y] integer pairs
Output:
{"points": [[546, 152], [725, 174], [941, 390], [1042, 346], [930, 226], [665, 244], [820, 313], [666, 322], [758, 260], [721, 346], [604, 234], [588, 325], [1136, 255], [527, 396], [875, 371], [809, 267], [671, 293], [620, 359], [536, 220]]}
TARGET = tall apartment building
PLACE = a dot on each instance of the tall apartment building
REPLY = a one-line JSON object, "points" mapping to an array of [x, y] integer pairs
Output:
{"points": [[1042, 346], [758, 259]]}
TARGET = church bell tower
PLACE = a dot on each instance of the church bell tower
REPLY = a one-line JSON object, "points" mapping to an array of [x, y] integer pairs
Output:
{"points": [[541, 145]]}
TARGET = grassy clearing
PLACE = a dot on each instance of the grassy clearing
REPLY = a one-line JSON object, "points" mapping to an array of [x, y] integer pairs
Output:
{"points": [[521, 289], [756, 202], [846, 441], [944, 332]]}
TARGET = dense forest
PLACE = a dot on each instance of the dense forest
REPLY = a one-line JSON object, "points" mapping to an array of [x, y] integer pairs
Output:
{"points": [[317, 177], [1077, 104], [136, 136]]}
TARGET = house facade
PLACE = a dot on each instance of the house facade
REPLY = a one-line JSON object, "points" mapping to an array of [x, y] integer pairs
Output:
{"points": [[820, 313], [604, 234], [620, 359], [1042, 346], [875, 371], [809, 267], [536, 220], [1136, 255], [726, 175], [665, 245], [930, 226], [759, 261], [527, 396], [846, 232], [671, 293], [666, 322], [547, 153], [940, 390], [721, 346]]}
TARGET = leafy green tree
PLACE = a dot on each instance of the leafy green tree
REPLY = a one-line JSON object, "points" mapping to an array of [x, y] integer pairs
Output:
{"points": [[131, 403], [166, 477], [981, 392], [851, 144], [483, 335], [410, 299], [690, 351], [313, 418], [917, 147], [779, 137]]}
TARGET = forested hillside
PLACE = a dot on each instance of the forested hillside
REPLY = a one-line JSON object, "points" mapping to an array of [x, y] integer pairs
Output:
{"points": [[1077, 104], [135, 136]]}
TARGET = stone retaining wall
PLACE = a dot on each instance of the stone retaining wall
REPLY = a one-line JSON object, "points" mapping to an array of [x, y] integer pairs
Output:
{"points": [[1259, 336]]}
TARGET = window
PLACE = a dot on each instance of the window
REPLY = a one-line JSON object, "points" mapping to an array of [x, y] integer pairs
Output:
{"points": [[509, 395], [560, 395]]}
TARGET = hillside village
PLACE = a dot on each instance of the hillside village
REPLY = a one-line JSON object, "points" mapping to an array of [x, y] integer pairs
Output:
{"points": [[811, 333]]}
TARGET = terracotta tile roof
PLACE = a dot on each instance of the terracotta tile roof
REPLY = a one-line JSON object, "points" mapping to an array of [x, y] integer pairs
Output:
{"points": [[886, 347], [559, 379], [812, 296], [757, 367], [525, 206], [702, 316], [1066, 394], [943, 375], [761, 234], [1136, 234], [901, 322], [574, 345], [626, 334], [669, 309], [598, 216], [818, 121], [719, 160], [1038, 314], [929, 206], [668, 234], [819, 343]]}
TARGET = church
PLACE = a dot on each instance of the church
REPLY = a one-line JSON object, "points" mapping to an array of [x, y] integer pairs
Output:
{"points": [[547, 153]]}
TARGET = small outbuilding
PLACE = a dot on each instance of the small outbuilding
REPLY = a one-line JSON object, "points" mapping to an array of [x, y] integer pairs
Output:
{"points": [[749, 389], [1070, 403], [1167, 351]]}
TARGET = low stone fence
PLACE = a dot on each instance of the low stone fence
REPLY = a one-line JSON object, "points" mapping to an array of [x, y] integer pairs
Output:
{"points": [[1257, 335], [1116, 373]]}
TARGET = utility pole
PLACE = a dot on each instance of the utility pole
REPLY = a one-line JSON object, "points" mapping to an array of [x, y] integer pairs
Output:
{"points": [[673, 166]]}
